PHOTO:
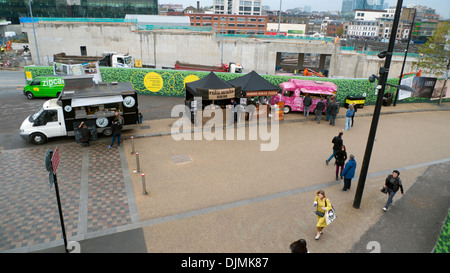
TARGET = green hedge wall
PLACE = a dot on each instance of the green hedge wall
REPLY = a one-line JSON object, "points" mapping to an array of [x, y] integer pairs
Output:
{"points": [[443, 243], [172, 84]]}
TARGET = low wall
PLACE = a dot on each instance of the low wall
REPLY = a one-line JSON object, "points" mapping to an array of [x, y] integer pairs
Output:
{"points": [[171, 82]]}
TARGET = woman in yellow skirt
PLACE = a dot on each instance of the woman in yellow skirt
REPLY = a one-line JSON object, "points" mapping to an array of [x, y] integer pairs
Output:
{"points": [[322, 204]]}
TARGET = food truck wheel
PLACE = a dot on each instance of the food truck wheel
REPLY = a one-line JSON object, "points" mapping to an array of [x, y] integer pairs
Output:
{"points": [[38, 138], [30, 95], [107, 132], [287, 109]]}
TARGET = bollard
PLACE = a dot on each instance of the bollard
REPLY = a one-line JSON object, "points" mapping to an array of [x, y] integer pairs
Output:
{"points": [[138, 168], [144, 190], [132, 145]]}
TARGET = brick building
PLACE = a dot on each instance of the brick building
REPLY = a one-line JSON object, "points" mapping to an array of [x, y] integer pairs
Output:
{"points": [[231, 23]]}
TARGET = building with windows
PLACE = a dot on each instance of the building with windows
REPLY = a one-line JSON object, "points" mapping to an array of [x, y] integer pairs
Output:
{"points": [[12, 10], [348, 6], [240, 7], [231, 24]]}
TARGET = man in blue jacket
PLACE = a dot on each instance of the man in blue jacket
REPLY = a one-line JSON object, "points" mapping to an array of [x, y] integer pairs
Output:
{"points": [[348, 173]]}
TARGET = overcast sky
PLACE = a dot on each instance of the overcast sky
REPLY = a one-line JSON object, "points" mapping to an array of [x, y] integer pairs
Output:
{"points": [[442, 6]]}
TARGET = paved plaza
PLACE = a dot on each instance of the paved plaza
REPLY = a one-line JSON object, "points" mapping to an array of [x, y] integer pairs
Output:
{"points": [[228, 196]]}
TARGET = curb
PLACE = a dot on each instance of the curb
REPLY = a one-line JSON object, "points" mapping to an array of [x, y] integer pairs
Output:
{"points": [[166, 133]]}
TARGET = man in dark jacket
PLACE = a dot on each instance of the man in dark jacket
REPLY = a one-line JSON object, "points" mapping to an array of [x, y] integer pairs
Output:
{"points": [[393, 184], [116, 129], [334, 109], [307, 101], [348, 173], [319, 110], [337, 144], [85, 134]]}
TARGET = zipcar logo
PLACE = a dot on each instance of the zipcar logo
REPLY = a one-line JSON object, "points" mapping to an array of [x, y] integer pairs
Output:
{"points": [[51, 82]]}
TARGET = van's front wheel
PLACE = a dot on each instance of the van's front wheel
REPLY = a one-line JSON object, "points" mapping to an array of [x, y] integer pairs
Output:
{"points": [[30, 95], [38, 138], [107, 132], [287, 109]]}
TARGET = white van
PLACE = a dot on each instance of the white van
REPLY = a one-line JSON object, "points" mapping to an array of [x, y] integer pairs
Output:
{"points": [[93, 105]]}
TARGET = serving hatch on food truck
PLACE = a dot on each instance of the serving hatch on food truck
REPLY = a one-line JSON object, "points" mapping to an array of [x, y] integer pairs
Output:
{"points": [[94, 105], [295, 90]]}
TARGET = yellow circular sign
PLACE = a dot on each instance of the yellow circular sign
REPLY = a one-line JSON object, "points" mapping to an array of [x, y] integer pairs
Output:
{"points": [[153, 82], [190, 78]]}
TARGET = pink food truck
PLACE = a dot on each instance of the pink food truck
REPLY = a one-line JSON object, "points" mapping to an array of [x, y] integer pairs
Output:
{"points": [[295, 90]]}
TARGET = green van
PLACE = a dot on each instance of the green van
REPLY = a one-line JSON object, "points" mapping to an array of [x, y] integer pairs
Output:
{"points": [[52, 85]]}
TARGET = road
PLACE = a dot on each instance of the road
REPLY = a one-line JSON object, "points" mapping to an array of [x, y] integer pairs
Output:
{"points": [[14, 108]]}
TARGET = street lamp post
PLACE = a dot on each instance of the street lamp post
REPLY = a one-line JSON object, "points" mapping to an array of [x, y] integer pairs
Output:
{"points": [[384, 71], [34, 33], [279, 19]]}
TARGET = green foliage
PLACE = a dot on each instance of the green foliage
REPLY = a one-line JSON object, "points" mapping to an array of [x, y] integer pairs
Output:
{"points": [[173, 82], [443, 243], [435, 53]]}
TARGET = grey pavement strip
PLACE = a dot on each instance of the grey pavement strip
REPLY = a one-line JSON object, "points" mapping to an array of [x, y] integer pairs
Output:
{"points": [[84, 190], [198, 212], [128, 187]]}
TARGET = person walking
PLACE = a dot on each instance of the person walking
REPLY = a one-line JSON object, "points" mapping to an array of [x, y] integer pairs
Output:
{"points": [[393, 183], [337, 143], [340, 157], [322, 204], [348, 173], [299, 246], [307, 101], [334, 109], [319, 110], [353, 116], [348, 117], [116, 129]]}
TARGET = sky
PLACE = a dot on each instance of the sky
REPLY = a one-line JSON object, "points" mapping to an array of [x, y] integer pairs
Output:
{"points": [[442, 6]]}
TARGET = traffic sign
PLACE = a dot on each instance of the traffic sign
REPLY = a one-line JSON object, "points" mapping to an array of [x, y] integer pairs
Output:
{"points": [[55, 160]]}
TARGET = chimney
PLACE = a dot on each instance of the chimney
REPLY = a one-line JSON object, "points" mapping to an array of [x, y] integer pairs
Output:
{"points": [[198, 6]]}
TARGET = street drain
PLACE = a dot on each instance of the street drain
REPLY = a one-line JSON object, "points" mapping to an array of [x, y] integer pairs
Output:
{"points": [[181, 159]]}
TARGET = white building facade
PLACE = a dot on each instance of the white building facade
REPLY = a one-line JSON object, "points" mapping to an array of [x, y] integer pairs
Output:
{"points": [[241, 7]]}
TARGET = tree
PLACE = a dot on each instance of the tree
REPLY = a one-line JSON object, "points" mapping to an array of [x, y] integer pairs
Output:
{"points": [[436, 54], [340, 31]]}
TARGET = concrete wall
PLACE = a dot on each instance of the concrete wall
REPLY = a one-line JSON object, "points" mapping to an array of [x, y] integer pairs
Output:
{"points": [[162, 48]]}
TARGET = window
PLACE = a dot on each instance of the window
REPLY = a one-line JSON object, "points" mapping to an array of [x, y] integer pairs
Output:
{"points": [[83, 51], [36, 82], [42, 117]]}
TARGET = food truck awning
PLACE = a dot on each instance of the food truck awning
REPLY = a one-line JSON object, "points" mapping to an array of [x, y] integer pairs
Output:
{"points": [[321, 92], [252, 85], [77, 102]]}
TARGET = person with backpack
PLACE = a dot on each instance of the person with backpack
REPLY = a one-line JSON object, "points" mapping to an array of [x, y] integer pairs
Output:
{"points": [[393, 183], [116, 129], [337, 143]]}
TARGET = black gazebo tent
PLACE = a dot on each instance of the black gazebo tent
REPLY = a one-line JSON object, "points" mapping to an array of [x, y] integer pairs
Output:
{"points": [[212, 87], [252, 85]]}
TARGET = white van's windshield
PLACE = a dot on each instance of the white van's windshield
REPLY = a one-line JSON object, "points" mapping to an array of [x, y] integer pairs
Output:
{"points": [[34, 116]]}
